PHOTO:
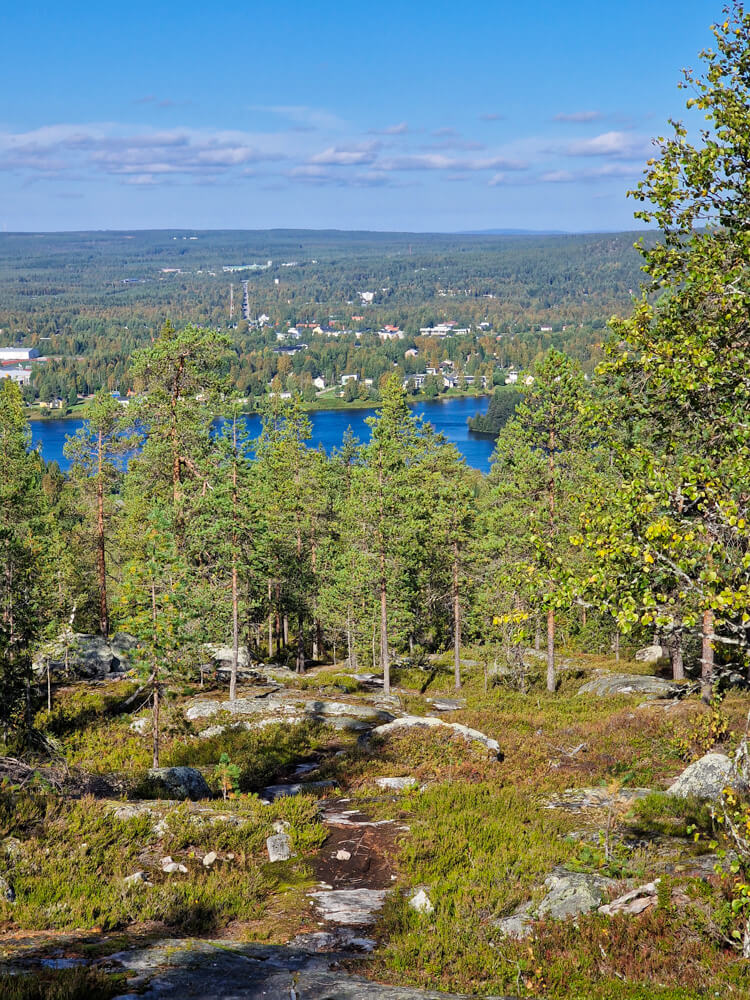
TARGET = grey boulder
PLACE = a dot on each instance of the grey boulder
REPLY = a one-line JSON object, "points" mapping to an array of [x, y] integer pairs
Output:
{"points": [[279, 847], [7, 891], [179, 783], [654, 653], [606, 685], [706, 778], [91, 657], [572, 893], [569, 894]]}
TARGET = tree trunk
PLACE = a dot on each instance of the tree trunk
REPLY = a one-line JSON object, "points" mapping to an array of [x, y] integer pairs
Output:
{"points": [[384, 659], [235, 632], [156, 719], [156, 680], [550, 650], [101, 559], [456, 622], [674, 646], [235, 601], [270, 619], [538, 633], [300, 645], [707, 657], [617, 646], [352, 655], [49, 687], [285, 625], [175, 445]]}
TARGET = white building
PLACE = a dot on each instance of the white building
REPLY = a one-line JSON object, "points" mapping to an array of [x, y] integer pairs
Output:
{"points": [[319, 383], [349, 378], [444, 330], [20, 375], [18, 353]]}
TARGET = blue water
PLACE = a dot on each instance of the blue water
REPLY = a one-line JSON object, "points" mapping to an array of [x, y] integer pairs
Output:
{"points": [[448, 416]]}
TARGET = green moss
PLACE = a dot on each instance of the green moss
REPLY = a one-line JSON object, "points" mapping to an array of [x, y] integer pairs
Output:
{"points": [[63, 984]]}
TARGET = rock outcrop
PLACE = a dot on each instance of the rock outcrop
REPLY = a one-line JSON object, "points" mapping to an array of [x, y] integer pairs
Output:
{"points": [[706, 778], [90, 657], [179, 783], [428, 721], [606, 685]]}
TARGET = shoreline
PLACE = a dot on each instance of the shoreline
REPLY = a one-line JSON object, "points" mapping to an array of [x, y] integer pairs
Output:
{"points": [[80, 412]]}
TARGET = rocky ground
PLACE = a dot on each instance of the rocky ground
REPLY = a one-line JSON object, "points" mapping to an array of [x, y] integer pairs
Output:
{"points": [[429, 841]]}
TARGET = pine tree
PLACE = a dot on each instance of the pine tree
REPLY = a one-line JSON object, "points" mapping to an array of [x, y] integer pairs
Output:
{"points": [[93, 452], [24, 525], [541, 457]]}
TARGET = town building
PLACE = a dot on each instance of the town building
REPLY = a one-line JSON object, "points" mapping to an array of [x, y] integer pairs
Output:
{"points": [[18, 353], [17, 374]]}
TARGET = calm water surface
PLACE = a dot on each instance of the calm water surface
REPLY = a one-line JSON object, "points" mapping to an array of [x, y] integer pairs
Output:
{"points": [[448, 416]]}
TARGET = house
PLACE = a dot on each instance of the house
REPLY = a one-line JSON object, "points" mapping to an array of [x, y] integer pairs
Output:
{"points": [[512, 377], [391, 333], [17, 374], [411, 353], [319, 383], [18, 353], [354, 377]]}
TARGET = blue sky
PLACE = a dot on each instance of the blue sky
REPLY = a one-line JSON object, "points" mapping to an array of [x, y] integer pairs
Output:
{"points": [[410, 115]]}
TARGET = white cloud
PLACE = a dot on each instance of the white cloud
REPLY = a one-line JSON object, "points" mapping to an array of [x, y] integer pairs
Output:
{"points": [[402, 128], [616, 144], [303, 115], [557, 177], [580, 116], [110, 149], [438, 161], [363, 153]]}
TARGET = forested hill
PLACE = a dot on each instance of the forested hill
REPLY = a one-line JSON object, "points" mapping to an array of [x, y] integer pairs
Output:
{"points": [[88, 300], [88, 283]]}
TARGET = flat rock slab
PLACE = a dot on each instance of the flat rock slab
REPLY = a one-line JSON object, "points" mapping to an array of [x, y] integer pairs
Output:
{"points": [[221, 970], [286, 706], [429, 721], [447, 704], [396, 784], [352, 907], [578, 799], [272, 792], [608, 685]]}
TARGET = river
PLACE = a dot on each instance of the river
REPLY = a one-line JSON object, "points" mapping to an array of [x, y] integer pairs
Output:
{"points": [[448, 416]]}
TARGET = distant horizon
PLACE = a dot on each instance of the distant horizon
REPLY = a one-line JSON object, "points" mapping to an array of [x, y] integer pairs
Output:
{"points": [[326, 229]]}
